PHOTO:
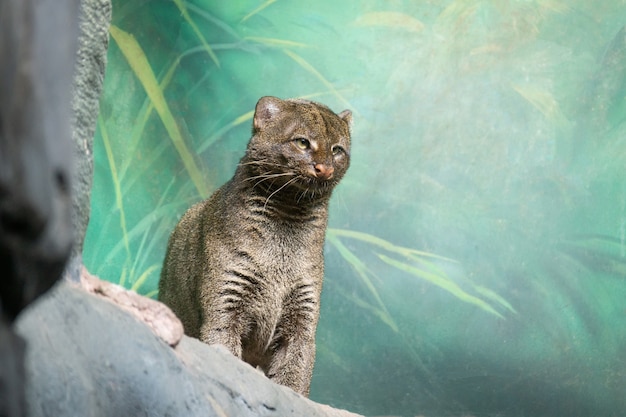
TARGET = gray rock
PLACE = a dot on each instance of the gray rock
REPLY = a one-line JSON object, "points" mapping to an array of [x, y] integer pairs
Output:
{"points": [[87, 357], [12, 401], [93, 42], [37, 50]]}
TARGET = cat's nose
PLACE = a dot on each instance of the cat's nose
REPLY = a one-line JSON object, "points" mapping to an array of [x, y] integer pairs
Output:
{"points": [[324, 172]]}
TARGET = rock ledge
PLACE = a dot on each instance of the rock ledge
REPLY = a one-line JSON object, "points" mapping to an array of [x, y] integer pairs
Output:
{"points": [[86, 356]]}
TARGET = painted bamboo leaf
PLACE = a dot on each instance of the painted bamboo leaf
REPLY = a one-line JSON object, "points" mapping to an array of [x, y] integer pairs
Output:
{"points": [[394, 20], [257, 10], [143, 116], [492, 295], [542, 100], [119, 199], [364, 273], [139, 63], [377, 241], [143, 277], [312, 70], [276, 42], [246, 117], [441, 282], [205, 45]]}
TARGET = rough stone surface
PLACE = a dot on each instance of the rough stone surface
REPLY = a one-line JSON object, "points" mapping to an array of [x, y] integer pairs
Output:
{"points": [[159, 317], [12, 402], [37, 50], [87, 357], [93, 41]]}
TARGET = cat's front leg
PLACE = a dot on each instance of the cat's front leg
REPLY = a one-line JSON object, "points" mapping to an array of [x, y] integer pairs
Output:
{"points": [[222, 330], [292, 362], [293, 350]]}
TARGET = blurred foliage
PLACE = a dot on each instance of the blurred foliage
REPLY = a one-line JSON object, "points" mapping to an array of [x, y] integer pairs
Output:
{"points": [[490, 133]]}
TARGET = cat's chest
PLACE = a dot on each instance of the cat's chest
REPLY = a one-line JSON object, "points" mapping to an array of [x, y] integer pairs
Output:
{"points": [[288, 255], [283, 245], [284, 236]]}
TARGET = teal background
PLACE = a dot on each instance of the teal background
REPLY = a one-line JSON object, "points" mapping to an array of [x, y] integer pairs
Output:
{"points": [[476, 261]]}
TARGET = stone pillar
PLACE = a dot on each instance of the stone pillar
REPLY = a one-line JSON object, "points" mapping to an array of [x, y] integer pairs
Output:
{"points": [[37, 55], [93, 42]]}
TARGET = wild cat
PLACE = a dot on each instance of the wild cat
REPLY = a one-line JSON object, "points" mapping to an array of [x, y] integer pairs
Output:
{"points": [[244, 268]]}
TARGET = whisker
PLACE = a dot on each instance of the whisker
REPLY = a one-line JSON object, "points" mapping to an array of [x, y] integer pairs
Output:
{"points": [[281, 187], [254, 161], [260, 162], [266, 177], [302, 195]]}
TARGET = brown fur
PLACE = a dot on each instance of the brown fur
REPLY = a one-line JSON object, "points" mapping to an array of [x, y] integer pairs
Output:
{"points": [[244, 268]]}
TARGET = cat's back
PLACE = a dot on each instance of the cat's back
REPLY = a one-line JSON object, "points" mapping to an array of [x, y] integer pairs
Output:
{"points": [[185, 259], [185, 245]]}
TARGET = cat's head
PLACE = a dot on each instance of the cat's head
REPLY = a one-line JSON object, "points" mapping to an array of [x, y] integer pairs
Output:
{"points": [[299, 142]]}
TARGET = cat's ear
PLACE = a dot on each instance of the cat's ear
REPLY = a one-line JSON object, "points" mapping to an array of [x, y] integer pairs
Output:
{"points": [[266, 109], [346, 116]]}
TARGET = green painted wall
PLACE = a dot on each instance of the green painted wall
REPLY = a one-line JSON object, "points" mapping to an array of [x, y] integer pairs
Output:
{"points": [[476, 262]]}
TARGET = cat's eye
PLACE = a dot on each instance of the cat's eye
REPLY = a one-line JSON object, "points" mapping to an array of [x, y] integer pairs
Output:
{"points": [[302, 143], [336, 150]]}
